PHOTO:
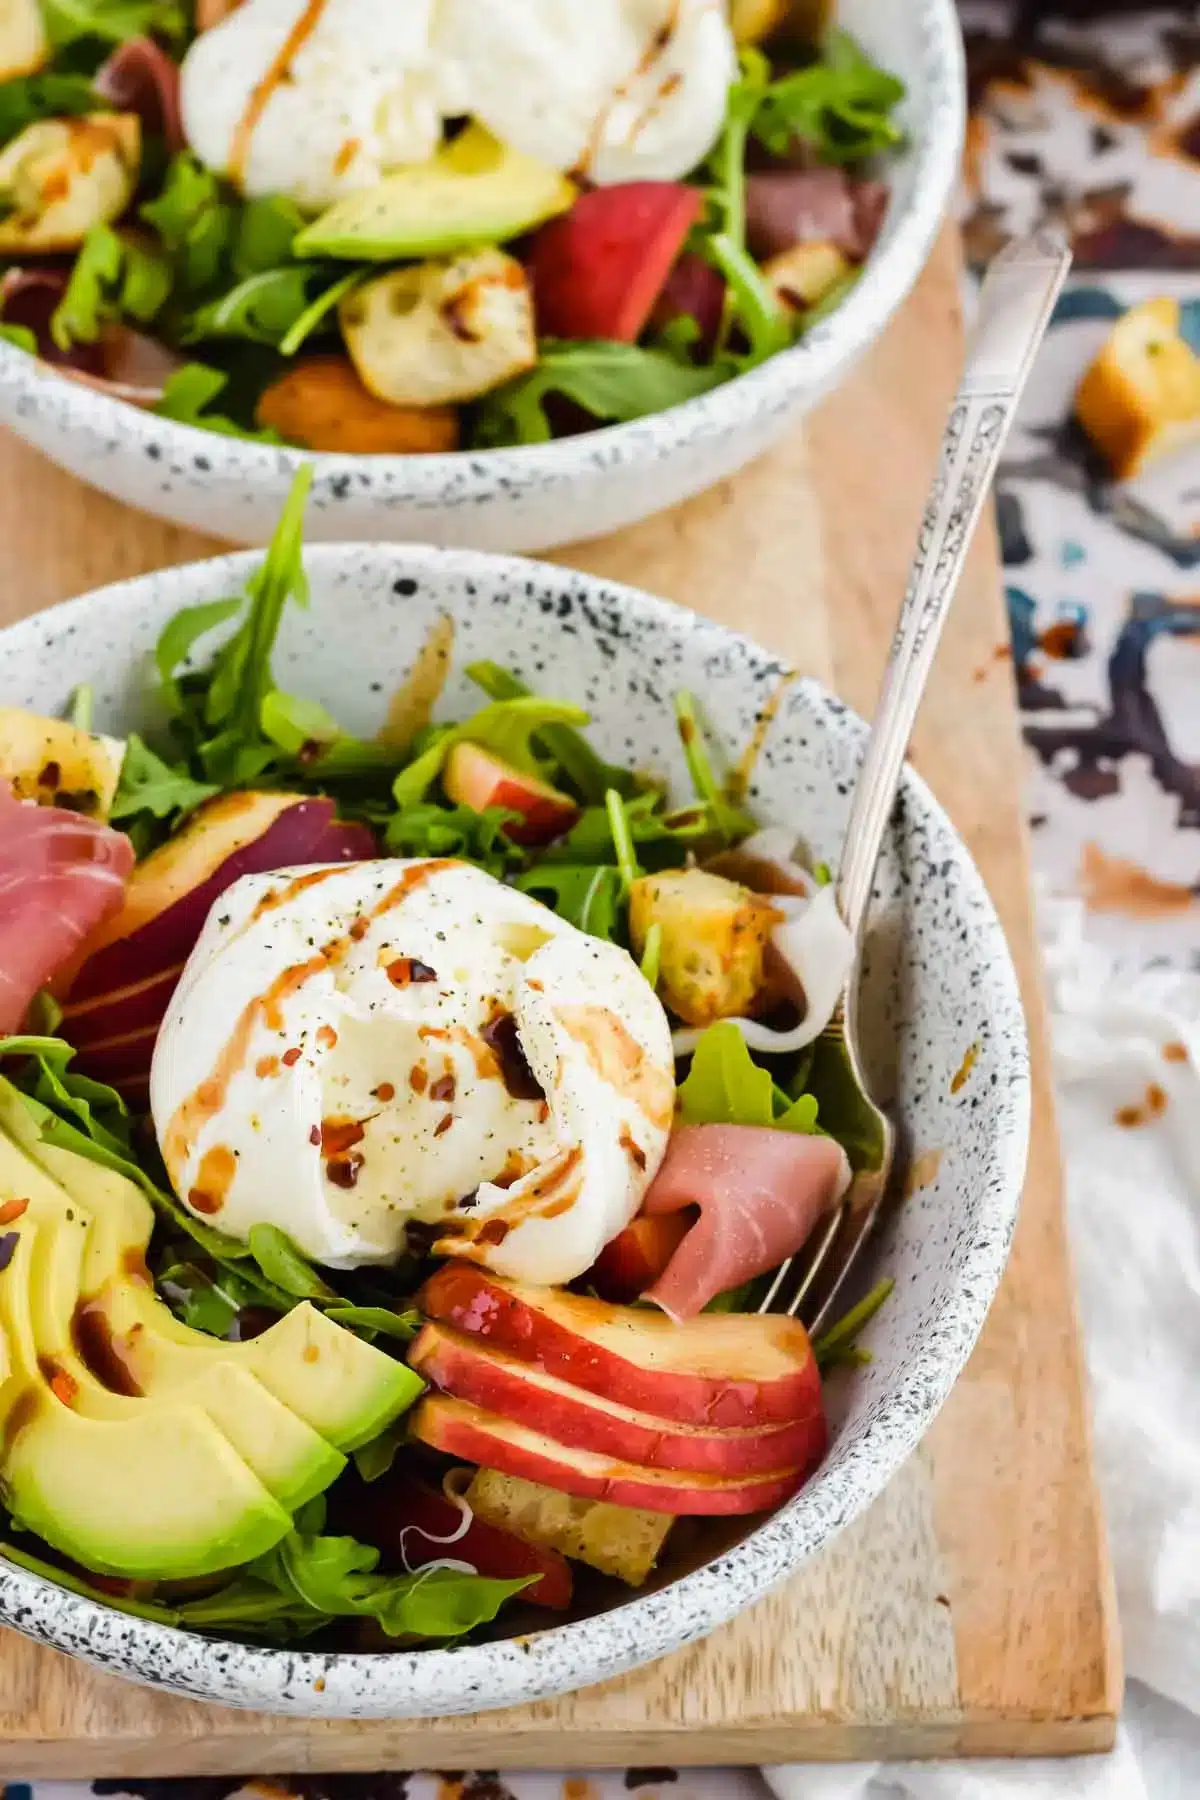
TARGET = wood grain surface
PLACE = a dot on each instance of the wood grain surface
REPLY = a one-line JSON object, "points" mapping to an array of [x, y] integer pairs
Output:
{"points": [[970, 1611]]}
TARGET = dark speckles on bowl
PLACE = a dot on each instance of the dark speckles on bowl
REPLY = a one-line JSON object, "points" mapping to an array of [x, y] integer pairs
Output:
{"points": [[940, 980]]}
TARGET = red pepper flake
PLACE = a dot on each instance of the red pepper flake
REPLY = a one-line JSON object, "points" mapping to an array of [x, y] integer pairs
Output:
{"points": [[291, 1057], [326, 1037], [407, 970], [359, 930], [443, 1124], [494, 1232], [1174, 1053], [266, 1066], [50, 775], [340, 1135], [314, 1136], [443, 1088], [418, 1078], [201, 1201], [60, 1381], [1156, 1100], [12, 1209], [385, 1092]]}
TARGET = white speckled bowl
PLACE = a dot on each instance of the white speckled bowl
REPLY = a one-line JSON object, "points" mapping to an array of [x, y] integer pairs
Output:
{"points": [[940, 981], [541, 495]]}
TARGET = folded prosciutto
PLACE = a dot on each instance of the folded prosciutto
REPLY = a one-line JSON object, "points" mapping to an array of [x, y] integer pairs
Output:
{"points": [[61, 875], [760, 1192]]}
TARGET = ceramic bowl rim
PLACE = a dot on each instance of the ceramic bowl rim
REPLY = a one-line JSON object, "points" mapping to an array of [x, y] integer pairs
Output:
{"points": [[810, 366], [349, 1684]]}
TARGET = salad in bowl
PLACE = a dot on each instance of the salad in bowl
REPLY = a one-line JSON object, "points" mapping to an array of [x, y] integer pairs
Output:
{"points": [[406, 1097], [414, 229]]}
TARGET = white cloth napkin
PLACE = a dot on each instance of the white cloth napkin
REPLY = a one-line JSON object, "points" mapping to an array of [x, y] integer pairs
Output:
{"points": [[1126, 1048]]}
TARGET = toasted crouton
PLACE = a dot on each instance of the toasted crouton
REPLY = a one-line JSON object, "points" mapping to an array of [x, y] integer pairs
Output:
{"points": [[1140, 399], [618, 1540], [713, 945], [321, 404], [801, 276], [59, 177]]}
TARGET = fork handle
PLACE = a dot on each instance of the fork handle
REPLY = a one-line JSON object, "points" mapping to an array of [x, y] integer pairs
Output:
{"points": [[1015, 303]]}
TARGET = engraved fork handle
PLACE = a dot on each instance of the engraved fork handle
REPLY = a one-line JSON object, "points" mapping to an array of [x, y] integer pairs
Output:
{"points": [[1015, 306]]}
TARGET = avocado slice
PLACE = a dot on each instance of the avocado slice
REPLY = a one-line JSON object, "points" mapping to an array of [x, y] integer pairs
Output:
{"points": [[56, 1328], [162, 1493], [343, 1388], [206, 1457], [474, 191]]}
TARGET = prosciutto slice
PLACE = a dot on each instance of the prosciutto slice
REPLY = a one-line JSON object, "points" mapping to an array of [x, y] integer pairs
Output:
{"points": [[800, 206], [760, 1193], [140, 77], [61, 875]]}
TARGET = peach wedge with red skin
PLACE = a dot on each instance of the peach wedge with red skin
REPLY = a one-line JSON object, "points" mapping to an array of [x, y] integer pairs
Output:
{"points": [[496, 1383], [476, 778], [459, 1429], [633, 1260], [721, 1371]]}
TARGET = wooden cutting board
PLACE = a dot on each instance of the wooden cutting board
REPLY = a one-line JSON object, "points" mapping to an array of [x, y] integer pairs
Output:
{"points": [[971, 1610]]}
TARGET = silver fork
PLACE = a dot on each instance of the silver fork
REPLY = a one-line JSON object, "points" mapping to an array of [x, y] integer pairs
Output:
{"points": [[1015, 305]]}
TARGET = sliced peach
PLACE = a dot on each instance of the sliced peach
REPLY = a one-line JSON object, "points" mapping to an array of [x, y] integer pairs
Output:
{"points": [[720, 1370], [477, 778], [460, 1429], [171, 891], [633, 1260], [463, 1367]]}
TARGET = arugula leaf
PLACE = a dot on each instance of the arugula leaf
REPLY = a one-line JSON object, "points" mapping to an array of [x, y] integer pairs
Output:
{"points": [[20, 336], [663, 839], [316, 312], [839, 1344], [74, 1113], [766, 324], [725, 1086], [589, 897], [320, 1578], [112, 278], [262, 308], [148, 784], [112, 21], [286, 1266], [190, 391], [46, 96], [207, 1302], [240, 678], [845, 1113], [506, 727], [179, 637], [586, 772], [841, 105], [612, 381], [373, 1460], [378, 1320], [195, 222], [427, 829], [729, 821], [265, 232], [652, 953], [622, 841]]}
